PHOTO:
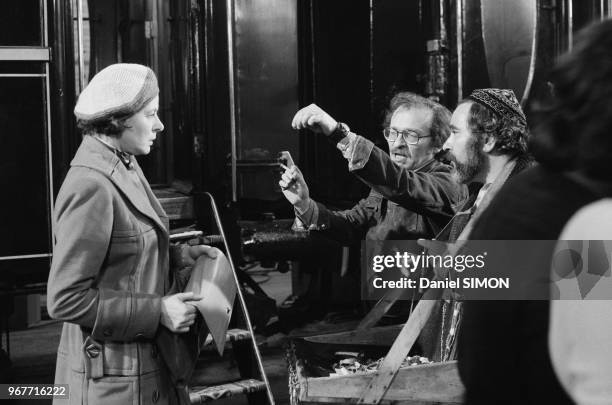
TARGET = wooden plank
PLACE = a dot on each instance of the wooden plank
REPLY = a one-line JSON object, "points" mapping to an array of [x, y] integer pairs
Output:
{"points": [[177, 205], [380, 308], [380, 336], [386, 302], [427, 383], [383, 378], [381, 382]]}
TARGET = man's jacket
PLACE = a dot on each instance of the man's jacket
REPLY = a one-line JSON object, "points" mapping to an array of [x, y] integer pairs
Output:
{"points": [[402, 203]]}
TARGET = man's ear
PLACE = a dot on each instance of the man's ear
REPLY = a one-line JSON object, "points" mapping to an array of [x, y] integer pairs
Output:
{"points": [[489, 144]]}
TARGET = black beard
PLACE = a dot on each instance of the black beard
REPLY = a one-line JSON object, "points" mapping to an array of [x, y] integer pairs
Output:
{"points": [[466, 172]]}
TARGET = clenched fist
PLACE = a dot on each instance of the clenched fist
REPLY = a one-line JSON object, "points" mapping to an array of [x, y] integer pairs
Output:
{"points": [[315, 119]]}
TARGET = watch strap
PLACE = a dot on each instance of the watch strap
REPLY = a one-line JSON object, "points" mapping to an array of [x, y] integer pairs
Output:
{"points": [[342, 130]]}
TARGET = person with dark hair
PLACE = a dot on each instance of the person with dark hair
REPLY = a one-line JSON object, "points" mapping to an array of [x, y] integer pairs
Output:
{"points": [[412, 195], [111, 280], [439, 127], [488, 139], [573, 126], [487, 146], [112, 125], [503, 352]]}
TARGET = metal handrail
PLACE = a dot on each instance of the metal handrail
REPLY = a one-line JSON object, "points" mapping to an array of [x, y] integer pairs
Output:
{"points": [[241, 298], [232, 98]]}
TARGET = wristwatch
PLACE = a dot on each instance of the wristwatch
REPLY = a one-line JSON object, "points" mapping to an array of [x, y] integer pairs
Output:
{"points": [[342, 130]]}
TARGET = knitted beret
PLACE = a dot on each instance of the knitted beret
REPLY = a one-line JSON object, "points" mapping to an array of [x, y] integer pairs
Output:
{"points": [[119, 89], [502, 101]]}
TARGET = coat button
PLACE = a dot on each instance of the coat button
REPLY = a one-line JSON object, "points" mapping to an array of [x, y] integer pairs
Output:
{"points": [[155, 396], [107, 332], [92, 351]]}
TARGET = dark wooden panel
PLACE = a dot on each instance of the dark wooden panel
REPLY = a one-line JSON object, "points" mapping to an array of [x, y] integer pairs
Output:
{"points": [[334, 72], [24, 213], [265, 47], [20, 23], [354, 55]]}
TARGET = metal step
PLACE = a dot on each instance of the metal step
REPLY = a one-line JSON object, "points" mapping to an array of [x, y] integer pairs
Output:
{"points": [[232, 335], [200, 395]]}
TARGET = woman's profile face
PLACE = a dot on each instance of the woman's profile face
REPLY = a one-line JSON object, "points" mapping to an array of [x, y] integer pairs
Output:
{"points": [[142, 129]]}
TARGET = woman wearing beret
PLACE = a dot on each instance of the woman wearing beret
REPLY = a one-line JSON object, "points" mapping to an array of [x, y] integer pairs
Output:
{"points": [[110, 278]]}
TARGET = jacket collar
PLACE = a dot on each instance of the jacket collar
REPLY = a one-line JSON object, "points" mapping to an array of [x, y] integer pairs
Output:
{"points": [[95, 155]]}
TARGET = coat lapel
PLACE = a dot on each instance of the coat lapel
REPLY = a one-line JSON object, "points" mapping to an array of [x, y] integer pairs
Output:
{"points": [[155, 204], [143, 203], [95, 155]]}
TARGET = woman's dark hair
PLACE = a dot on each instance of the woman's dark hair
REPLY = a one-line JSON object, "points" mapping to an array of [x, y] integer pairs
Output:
{"points": [[111, 126], [510, 133], [574, 128], [440, 121]]}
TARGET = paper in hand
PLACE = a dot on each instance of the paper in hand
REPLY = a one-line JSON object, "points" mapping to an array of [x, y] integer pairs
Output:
{"points": [[213, 280]]}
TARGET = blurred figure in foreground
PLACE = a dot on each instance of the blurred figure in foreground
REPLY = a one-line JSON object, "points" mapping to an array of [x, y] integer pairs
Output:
{"points": [[503, 345]]}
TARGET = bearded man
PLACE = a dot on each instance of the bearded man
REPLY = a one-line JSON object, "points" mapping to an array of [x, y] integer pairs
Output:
{"points": [[487, 146]]}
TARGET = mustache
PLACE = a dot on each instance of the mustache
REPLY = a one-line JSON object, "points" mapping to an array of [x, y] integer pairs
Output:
{"points": [[444, 156], [400, 150]]}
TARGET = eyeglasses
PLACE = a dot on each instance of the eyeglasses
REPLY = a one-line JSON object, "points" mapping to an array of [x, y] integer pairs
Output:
{"points": [[410, 137]]}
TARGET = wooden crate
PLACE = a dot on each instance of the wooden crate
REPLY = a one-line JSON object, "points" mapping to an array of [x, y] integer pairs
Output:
{"points": [[436, 383], [176, 204]]}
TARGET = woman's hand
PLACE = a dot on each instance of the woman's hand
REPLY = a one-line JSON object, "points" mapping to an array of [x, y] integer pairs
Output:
{"points": [[177, 313]]}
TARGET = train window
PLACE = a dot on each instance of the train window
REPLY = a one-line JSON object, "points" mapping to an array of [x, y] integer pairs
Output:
{"points": [[25, 167], [24, 216], [17, 67], [20, 23]]}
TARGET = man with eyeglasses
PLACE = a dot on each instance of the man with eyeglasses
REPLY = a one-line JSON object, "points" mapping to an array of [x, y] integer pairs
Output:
{"points": [[412, 194], [487, 145]]}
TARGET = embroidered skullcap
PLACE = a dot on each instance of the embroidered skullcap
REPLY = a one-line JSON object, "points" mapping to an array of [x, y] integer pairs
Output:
{"points": [[502, 101], [119, 89]]}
